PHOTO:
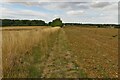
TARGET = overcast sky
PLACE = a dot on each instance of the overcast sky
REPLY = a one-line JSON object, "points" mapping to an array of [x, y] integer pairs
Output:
{"points": [[89, 11]]}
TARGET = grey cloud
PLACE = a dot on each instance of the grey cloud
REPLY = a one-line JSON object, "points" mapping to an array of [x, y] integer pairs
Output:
{"points": [[47, 0], [57, 5], [66, 5], [83, 6], [16, 0], [100, 4]]}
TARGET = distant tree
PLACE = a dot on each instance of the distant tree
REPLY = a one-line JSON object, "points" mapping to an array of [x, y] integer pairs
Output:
{"points": [[49, 24], [56, 22]]}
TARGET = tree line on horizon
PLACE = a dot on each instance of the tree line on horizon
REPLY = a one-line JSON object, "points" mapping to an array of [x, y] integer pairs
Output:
{"points": [[53, 23], [10, 22]]}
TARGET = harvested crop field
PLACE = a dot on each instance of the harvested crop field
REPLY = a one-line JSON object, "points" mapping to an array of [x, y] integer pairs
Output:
{"points": [[54, 52], [96, 50]]}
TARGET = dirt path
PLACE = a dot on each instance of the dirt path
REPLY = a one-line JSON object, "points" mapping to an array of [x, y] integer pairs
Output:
{"points": [[61, 62]]}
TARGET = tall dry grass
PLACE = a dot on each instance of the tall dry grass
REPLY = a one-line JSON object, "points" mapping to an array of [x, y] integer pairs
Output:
{"points": [[16, 43], [0, 52]]}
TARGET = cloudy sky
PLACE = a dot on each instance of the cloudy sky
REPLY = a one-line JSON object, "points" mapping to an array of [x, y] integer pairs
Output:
{"points": [[77, 11]]}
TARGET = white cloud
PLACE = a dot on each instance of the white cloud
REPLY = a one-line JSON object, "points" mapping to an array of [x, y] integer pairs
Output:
{"points": [[79, 12]]}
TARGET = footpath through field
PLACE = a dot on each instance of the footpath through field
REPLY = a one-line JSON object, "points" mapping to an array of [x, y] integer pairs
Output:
{"points": [[61, 61]]}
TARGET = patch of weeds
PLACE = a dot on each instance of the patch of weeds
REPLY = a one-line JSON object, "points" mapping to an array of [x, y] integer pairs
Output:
{"points": [[63, 41], [36, 51], [51, 42], [34, 72], [56, 75], [81, 72], [36, 59], [102, 72]]}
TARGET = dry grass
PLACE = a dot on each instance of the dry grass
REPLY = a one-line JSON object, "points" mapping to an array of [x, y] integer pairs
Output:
{"points": [[22, 27], [0, 53], [16, 43], [96, 50]]}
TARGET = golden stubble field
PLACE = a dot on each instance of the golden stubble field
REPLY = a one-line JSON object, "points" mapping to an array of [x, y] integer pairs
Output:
{"points": [[96, 50], [54, 52], [0, 53]]}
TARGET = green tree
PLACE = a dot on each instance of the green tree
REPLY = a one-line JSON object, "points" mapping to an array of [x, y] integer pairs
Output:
{"points": [[56, 22]]}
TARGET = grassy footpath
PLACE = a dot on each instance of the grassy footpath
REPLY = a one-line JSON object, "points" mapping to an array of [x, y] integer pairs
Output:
{"points": [[61, 61], [55, 62]]}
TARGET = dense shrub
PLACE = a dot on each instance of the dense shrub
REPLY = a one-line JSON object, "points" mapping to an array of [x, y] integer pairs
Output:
{"points": [[56, 22]]}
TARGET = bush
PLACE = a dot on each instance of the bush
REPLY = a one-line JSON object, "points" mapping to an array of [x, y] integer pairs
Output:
{"points": [[56, 22]]}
